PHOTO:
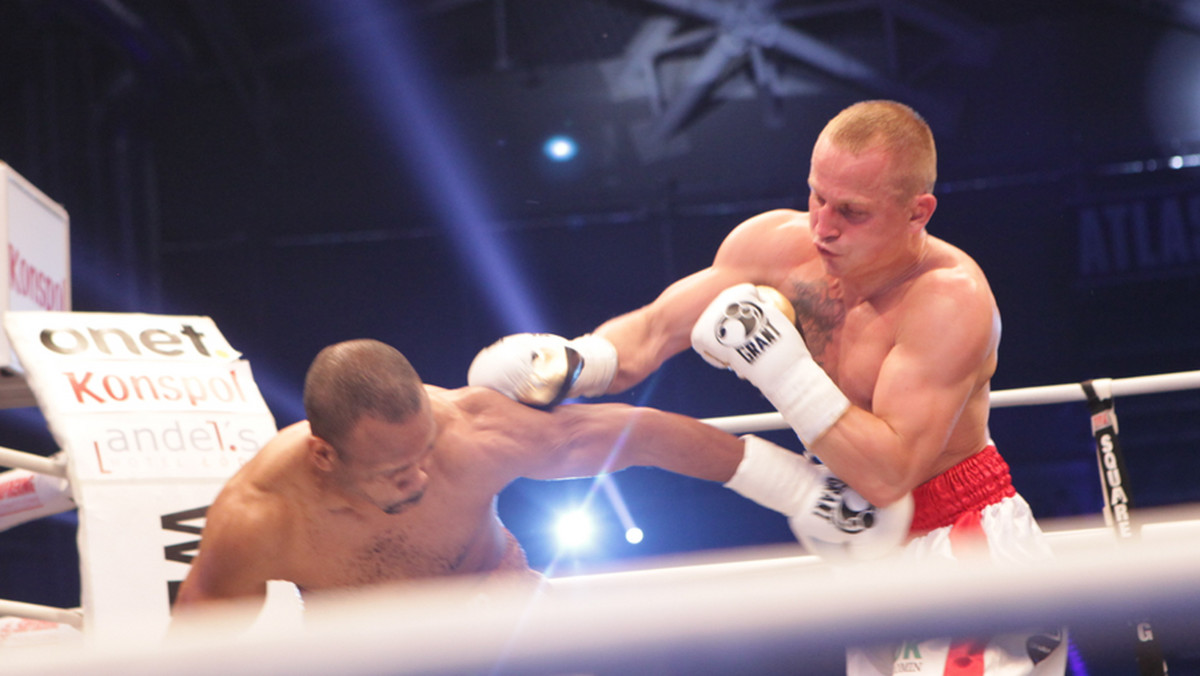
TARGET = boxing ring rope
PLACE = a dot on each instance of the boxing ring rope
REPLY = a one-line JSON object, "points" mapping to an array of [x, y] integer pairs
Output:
{"points": [[69, 616], [708, 617], [53, 498], [55, 466], [1021, 396], [730, 620]]}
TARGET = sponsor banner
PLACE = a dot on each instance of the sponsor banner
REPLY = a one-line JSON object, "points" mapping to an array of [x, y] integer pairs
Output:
{"points": [[37, 232], [138, 543], [1139, 237], [81, 337], [1112, 475], [164, 445], [154, 413], [31, 287], [116, 387]]}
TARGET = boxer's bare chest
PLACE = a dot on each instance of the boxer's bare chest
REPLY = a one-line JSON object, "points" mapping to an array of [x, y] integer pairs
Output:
{"points": [[341, 550], [850, 340]]}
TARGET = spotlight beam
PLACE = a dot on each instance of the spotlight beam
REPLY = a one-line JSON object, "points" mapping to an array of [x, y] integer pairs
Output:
{"points": [[398, 85], [609, 486]]}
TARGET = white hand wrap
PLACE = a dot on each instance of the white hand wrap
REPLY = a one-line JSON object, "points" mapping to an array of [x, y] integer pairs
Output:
{"points": [[599, 365], [542, 369], [773, 476], [830, 518], [745, 331]]}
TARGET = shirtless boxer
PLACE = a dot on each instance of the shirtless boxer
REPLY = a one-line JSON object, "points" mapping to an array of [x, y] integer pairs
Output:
{"points": [[391, 480], [886, 381]]}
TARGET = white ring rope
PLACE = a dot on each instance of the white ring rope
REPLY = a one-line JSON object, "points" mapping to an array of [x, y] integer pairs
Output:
{"points": [[68, 616], [54, 466], [1121, 387], [728, 621], [1021, 396]]}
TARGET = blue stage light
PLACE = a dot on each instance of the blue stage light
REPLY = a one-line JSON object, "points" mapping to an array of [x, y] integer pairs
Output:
{"points": [[634, 535], [560, 148], [574, 530]]}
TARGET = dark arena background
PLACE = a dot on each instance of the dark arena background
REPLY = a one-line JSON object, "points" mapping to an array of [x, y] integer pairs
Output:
{"points": [[308, 171]]}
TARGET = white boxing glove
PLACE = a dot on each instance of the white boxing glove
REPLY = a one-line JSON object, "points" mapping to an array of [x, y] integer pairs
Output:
{"points": [[541, 369], [746, 330], [877, 531], [828, 517]]}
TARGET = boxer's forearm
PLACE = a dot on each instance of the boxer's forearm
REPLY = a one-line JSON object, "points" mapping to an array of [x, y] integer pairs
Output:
{"points": [[652, 334], [610, 437], [640, 348], [869, 455], [685, 446]]}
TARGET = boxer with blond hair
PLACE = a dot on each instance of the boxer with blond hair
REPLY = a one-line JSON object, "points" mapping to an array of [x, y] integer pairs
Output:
{"points": [[885, 374]]}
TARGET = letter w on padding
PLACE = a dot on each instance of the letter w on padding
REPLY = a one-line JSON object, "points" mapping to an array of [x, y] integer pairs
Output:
{"points": [[183, 552]]}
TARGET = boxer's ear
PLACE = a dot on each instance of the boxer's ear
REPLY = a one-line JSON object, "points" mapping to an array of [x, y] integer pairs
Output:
{"points": [[921, 210], [323, 453]]}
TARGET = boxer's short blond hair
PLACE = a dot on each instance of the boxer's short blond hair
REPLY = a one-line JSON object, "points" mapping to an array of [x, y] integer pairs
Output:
{"points": [[898, 130]]}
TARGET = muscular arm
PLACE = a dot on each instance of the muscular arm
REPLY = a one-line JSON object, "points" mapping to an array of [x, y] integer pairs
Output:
{"points": [[237, 549], [934, 376], [761, 250], [587, 439]]}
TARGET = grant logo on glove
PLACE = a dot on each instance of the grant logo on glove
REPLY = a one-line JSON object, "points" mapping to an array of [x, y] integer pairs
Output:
{"points": [[829, 518], [746, 328], [844, 508]]}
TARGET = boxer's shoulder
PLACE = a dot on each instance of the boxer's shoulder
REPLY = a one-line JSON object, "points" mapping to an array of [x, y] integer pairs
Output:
{"points": [[777, 240], [952, 280], [476, 405], [945, 261], [247, 525], [772, 224], [479, 420]]}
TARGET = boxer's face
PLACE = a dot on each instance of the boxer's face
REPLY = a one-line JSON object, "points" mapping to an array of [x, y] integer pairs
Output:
{"points": [[385, 461], [856, 217]]}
